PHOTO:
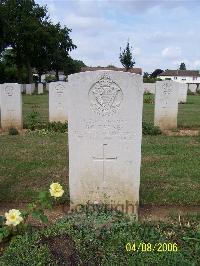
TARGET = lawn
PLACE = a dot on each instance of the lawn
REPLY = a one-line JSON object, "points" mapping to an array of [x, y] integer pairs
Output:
{"points": [[37, 103], [188, 114], [169, 174], [170, 165]]}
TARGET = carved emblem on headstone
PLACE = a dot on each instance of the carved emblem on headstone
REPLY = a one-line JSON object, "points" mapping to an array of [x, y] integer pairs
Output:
{"points": [[60, 97], [167, 88], [59, 90], [9, 91], [105, 96]]}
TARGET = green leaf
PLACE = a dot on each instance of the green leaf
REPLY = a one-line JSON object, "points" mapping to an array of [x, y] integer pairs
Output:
{"points": [[36, 214], [39, 214], [2, 220], [43, 218]]}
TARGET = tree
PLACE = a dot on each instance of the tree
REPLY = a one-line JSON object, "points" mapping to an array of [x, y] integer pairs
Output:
{"points": [[145, 75], [182, 66], [36, 42], [8, 68], [73, 66], [126, 57], [156, 72], [22, 21], [60, 45]]}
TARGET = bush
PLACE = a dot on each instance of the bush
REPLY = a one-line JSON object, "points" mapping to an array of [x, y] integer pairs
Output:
{"points": [[150, 129], [13, 131], [148, 99], [56, 127], [100, 238], [32, 120], [189, 92], [24, 250], [147, 93]]}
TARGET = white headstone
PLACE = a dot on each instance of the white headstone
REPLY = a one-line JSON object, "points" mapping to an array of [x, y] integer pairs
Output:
{"points": [[105, 132], [166, 104], [28, 89], [11, 106], [58, 107], [23, 88], [182, 98], [33, 87], [47, 86], [40, 88], [192, 87], [150, 87]]}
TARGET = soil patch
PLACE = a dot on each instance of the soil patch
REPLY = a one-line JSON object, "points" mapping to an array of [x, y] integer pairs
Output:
{"points": [[163, 213], [63, 249], [182, 132], [146, 212]]}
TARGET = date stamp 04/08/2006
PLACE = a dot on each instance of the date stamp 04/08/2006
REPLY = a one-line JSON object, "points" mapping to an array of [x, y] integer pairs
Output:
{"points": [[149, 247]]}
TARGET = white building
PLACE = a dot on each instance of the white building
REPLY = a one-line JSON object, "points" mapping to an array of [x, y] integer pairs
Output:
{"points": [[182, 76]]}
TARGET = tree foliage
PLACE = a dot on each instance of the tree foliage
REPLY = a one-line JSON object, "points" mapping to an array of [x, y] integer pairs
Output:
{"points": [[126, 57], [35, 41], [182, 66], [73, 66], [156, 72]]}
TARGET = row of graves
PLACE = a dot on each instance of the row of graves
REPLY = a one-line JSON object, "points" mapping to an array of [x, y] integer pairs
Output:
{"points": [[151, 88], [104, 113], [33, 88]]}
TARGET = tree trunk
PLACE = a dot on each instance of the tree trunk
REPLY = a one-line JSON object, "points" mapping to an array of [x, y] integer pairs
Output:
{"points": [[18, 74], [40, 77], [29, 70], [57, 76]]}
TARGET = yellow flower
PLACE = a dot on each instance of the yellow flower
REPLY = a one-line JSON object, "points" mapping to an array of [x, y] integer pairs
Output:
{"points": [[13, 217], [56, 190]]}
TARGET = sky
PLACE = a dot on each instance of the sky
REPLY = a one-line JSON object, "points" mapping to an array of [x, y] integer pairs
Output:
{"points": [[162, 33]]}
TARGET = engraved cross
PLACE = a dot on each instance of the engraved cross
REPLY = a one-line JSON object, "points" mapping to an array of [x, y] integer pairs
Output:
{"points": [[104, 159]]}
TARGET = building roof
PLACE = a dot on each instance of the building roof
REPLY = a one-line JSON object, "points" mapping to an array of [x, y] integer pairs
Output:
{"points": [[181, 73], [132, 70]]}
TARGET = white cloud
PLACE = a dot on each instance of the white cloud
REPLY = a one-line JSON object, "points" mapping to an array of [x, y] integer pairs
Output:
{"points": [[197, 64], [101, 27], [171, 52]]}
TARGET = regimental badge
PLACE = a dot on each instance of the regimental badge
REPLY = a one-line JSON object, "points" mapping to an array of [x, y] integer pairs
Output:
{"points": [[105, 96]]}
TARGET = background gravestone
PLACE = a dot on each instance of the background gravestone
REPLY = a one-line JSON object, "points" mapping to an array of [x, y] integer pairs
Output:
{"points": [[182, 98], [105, 132], [23, 88], [192, 87], [47, 86], [150, 87], [32, 87], [58, 107], [11, 106], [28, 89], [166, 104], [40, 88]]}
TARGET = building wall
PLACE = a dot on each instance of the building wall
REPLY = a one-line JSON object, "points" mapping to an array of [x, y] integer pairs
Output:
{"points": [[182, 79]]}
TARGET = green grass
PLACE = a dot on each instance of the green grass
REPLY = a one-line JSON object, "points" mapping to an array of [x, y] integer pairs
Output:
{"points": [[170, 170], [38, 103], [188, 114], [31, 162], [169, 174], [170, 165]]}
